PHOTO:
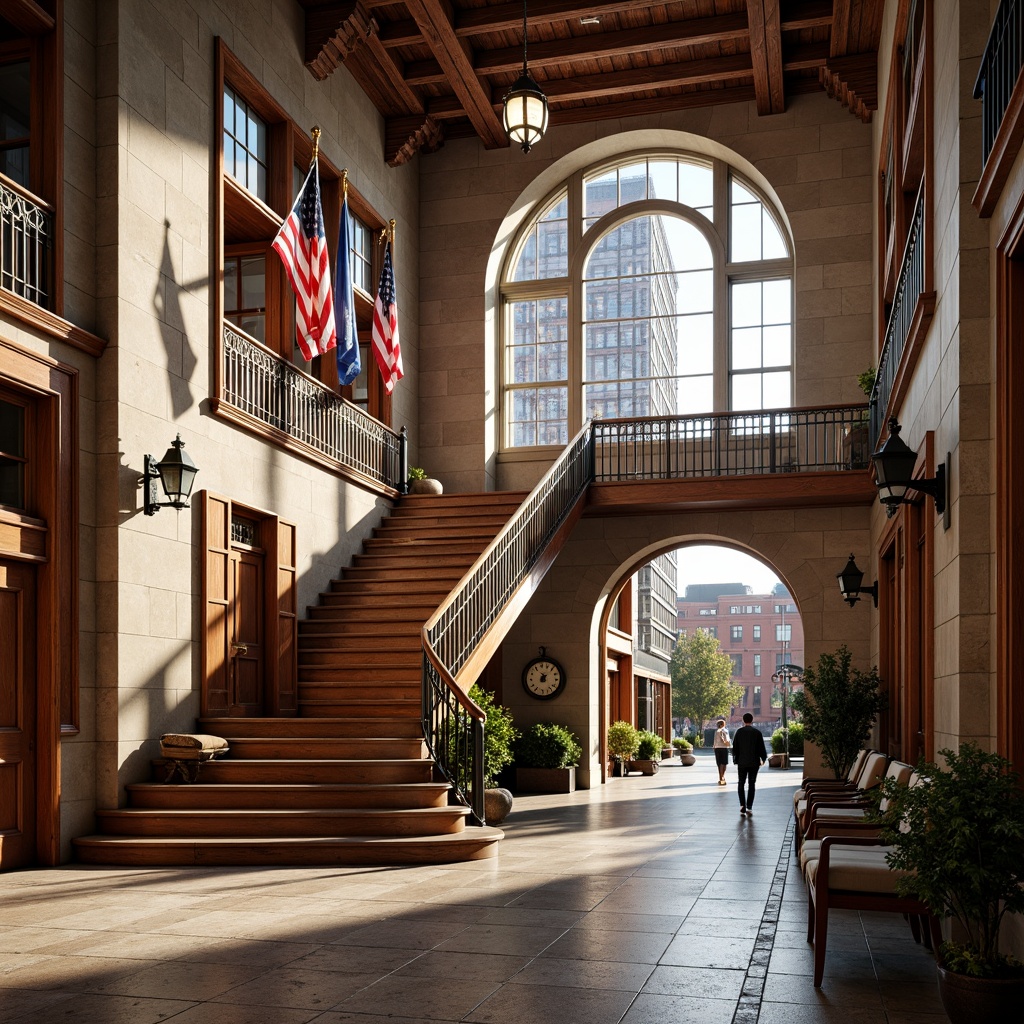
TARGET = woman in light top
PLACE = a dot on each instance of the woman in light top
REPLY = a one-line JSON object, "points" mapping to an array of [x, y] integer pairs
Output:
{"points": [[722, 745]]}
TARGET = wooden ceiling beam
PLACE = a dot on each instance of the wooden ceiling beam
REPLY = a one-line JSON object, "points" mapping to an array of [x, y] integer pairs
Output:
{"points": [[765, 23], [332, 33], [404, 137], [434, 20], [505, 17], [810, 14], [552, 52]]}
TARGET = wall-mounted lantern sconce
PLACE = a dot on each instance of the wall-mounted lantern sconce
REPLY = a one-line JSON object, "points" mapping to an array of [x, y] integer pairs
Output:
{"points": [[176, 472], [894, 476], [851, 584]]}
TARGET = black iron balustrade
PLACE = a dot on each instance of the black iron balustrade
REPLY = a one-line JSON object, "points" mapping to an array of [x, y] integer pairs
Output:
{"points": [[731, 444], [26, 249], [452, 723], [274, 392], [1000, 67], [909, 287]]}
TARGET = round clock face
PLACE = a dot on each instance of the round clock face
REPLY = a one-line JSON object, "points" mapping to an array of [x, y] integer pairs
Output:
{"points": [[543, 678]]}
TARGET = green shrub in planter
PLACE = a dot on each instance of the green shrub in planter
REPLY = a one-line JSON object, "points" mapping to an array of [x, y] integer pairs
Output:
{"points": [[779, 741], [649, 747], [682, 745], [499, 734], [796, 739], [623, 740], [548, 745]]}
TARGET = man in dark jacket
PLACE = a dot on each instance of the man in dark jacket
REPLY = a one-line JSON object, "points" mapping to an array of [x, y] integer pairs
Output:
{"points": [[748, 754]]}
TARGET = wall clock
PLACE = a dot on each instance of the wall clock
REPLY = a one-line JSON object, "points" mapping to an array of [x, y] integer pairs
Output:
{"points": [[543, 677]]}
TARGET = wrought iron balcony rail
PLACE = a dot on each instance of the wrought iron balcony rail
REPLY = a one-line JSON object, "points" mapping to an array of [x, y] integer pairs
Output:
{"points": [[909, 287], [26, 245], [1000, 67], [272, 391], [731, 444], [452, 723]]}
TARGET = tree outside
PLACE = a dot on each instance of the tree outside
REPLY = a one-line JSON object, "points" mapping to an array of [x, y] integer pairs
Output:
{"points": [[702, 686]]}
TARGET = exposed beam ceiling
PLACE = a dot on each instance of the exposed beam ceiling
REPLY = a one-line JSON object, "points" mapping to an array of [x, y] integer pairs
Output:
{"points": [[439, 69]]}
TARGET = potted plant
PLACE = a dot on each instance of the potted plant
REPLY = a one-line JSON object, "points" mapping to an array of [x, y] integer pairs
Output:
{"points": [[857, 442], [499, 736], [838, 705], [623, 740], [648, 752], [546, 758], [420, 483], [778, 757], [685, 749], [958, 833]]}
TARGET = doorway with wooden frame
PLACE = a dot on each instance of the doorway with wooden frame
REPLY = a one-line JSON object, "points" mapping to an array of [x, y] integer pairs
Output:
{"points": [[249, 651]]}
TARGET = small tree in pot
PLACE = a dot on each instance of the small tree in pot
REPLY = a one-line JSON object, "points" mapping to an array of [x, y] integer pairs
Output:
{"points": [[838, 705], [499, 735], [623, 741], [648, 752], [959, 833]]}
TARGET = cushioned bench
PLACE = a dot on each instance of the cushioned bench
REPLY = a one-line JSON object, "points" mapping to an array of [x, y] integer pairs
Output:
{"points": [[183, 753], [869, 776], [845, 872]]}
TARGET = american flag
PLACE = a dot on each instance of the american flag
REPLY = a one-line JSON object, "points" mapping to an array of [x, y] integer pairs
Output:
{"points": [[384, 337], [349, 364], [302, 245]]}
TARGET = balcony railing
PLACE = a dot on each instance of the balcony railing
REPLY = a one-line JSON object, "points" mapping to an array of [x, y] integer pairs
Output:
{"points": [[909, 287], [1000, 68], [26, 250], [731, 444], [277, 394]]}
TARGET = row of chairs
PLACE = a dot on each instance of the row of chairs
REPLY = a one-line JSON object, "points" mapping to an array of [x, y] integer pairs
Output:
{"points": [[841, 855]]}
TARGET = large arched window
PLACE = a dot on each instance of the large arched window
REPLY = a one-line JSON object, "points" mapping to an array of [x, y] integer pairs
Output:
{"points": [[654, 285]]}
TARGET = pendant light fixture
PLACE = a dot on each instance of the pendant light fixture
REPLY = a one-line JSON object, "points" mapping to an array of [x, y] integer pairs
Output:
{"points": [[526, 107]]}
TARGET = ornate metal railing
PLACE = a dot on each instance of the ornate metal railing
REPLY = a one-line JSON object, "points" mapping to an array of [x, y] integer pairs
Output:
{"points": [[260, 384], [452, 723], [1000, 67], [26, 249], [731, 444], [909, 287]]}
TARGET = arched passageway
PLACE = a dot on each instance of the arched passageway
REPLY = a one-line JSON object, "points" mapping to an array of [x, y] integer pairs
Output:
{"points": [[805, 547]]}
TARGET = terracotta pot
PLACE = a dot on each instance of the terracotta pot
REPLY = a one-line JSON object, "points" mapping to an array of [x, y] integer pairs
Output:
{"points": [[645, 767], [970, 1000], [545, 780]]}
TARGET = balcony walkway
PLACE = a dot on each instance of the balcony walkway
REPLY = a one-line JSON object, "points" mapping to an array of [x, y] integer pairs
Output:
{"points": [[642, 901]]}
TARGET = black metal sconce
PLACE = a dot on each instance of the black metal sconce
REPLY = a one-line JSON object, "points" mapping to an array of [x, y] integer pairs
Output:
{"points": [[894, 476], [176, 472], [851, 584]]}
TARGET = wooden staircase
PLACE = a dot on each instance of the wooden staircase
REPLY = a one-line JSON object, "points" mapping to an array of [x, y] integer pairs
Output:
{"points": [[348, 781]]}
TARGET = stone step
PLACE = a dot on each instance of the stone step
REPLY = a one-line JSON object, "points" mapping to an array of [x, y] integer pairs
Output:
{"points": [[280, 796], [470, 844]]}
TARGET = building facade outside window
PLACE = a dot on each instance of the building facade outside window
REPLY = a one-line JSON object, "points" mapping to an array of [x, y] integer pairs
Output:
{"points": [[609, 299]]}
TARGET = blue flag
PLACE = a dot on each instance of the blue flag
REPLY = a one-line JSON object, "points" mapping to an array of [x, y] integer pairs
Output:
{"points": [[344, 305]]}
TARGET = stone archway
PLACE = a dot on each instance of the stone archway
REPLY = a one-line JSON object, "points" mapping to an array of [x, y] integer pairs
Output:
{"points": [[805, 547]]}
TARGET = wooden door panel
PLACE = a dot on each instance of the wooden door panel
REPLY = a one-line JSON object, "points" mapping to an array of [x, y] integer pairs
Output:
{"points": [[17, 714], [247, 632]]}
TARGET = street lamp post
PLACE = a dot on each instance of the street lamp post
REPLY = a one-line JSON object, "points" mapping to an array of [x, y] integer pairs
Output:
{"points": [[782, 679]]}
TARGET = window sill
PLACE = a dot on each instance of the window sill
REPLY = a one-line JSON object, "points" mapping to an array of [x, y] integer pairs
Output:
{"points": [[42, 320]]}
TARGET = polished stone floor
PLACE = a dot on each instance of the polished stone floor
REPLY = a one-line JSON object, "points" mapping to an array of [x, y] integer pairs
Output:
{"points": [[645, 901]]}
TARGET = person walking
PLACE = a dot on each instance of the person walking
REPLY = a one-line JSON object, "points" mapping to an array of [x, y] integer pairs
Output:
{"points": [[722, 745], [748, 754]]}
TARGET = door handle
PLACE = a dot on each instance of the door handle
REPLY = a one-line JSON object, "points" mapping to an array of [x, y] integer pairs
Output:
{"points": [[239, 648]]}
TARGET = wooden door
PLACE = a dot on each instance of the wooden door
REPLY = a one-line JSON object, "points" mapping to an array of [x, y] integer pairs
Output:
{"points": [[18, 698], [245, 650]]}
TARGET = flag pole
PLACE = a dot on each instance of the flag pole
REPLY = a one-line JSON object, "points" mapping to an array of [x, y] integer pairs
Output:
{"points": [[315, 132], [344, 183], [391, 233]]}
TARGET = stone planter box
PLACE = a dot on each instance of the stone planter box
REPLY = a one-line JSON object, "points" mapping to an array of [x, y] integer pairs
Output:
{"points": [[645, 767], [545, 780], [778, 760]]}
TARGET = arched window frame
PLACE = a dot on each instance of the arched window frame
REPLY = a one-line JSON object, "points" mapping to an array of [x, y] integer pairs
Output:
{"points": [[581, 242]]}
